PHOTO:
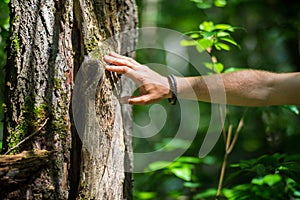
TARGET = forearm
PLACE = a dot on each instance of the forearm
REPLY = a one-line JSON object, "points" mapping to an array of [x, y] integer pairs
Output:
{"points": [[243, 88]]}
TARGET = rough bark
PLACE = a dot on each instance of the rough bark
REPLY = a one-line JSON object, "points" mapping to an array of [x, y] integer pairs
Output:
{"points": [[48, 43], [17, 170]]}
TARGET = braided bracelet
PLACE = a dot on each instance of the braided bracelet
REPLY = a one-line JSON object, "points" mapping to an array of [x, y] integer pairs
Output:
{"points": [[173, 87]]}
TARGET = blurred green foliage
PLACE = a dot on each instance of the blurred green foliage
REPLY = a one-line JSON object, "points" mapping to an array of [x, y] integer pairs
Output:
{"points": [[268, 39], [274, 176], [205, 4]]}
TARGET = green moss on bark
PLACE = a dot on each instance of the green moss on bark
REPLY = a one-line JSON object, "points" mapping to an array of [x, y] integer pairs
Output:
{"points": [[33, 117], [15, 43], [92, 43], [14, 38]]}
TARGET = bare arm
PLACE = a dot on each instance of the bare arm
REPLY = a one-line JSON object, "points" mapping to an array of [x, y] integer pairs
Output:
{"points": [[243, 88]]}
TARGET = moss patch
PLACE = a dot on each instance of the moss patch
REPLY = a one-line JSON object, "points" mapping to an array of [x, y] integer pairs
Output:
{"points": [[15, 44], [33, 117], [92, 43], [14, 38]]}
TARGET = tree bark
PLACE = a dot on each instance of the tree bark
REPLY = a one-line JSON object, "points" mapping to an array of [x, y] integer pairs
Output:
{"points": [[17, 170], [49, 41]]}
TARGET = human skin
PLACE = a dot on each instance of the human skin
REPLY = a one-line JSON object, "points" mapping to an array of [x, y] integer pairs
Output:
{"points": [[242, 88]]}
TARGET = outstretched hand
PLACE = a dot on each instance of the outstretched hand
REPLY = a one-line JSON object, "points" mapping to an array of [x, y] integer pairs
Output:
{"points": [[153, 87]]}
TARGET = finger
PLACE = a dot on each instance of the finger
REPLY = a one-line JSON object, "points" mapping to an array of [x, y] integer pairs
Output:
{"points": [[132, 100], [124, 70], [114, 54], [119, 61], [119, 69], [141, 100]]}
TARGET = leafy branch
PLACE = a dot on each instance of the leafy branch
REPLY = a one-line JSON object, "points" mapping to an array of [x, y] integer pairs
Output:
{"points": [[209, 37]]}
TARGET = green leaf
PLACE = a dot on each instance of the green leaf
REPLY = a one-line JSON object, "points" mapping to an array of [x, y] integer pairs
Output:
{"points": [[272, 179], [205, 43], [207, 26], [222, 34], [229, 40], [208, 34], [257, 181], [294, 109], [145, 195], [220, 3], [224, 27], [296, 194], [208, 193], [235, 165], [183, 173], [191, 185], [209, 65], [200, 49], [158, 165], [188, 42], [246, 164], [187, 159], [228, 193], [204, 5], [218, 67], [223, 46], [291, 172], [195, 35]]}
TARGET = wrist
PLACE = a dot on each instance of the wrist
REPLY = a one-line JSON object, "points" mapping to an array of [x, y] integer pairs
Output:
{"points": [[166, 89], [172, 96]]}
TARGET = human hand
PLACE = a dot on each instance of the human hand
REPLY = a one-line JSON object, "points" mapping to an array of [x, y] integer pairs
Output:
{"points": [[153, 87]]}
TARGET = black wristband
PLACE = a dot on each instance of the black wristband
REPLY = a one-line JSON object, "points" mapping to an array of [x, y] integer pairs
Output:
{"points": [[173, 88]]}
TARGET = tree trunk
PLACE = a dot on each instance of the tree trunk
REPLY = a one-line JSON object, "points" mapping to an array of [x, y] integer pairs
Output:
{"points": [[49, 41]]}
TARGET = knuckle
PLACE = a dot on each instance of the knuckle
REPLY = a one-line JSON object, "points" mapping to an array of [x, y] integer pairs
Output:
{"points": [[128, 58], [144, 67], [126, 62], [125, 70], [142, 79]]}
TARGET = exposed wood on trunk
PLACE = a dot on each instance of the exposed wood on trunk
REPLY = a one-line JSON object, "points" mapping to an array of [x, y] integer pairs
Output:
{"points": [[17, 170]]}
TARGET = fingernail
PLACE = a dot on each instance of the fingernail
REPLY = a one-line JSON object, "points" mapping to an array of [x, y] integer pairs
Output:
{"points": [[108, 58]]}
